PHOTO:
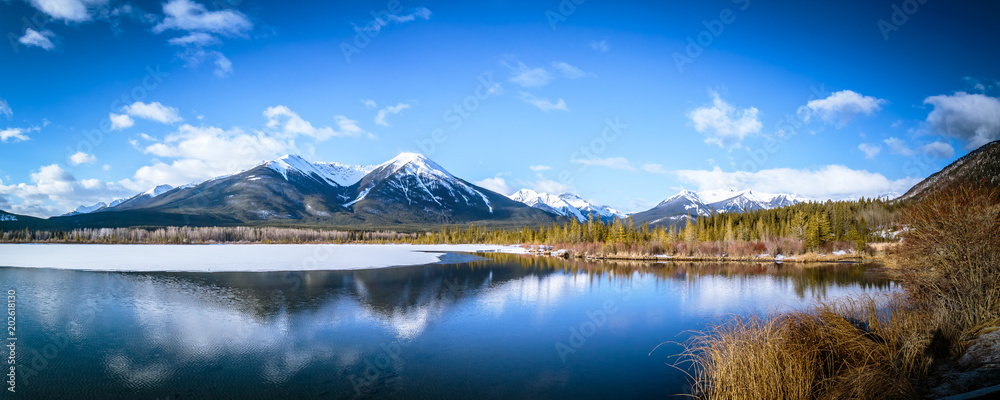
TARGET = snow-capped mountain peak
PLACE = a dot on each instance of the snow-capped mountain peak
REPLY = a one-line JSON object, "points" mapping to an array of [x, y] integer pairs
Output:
{"points": [[332, 173], [417, 164], [416, 178], [158, 190], [87, 209], [566, 204], [683, 194]]}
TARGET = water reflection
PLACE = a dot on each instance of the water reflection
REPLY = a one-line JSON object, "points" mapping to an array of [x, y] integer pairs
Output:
{"points": [[488, 327]]}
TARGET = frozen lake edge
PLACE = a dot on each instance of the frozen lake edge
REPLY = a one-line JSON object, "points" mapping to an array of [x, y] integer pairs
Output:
{"points": [[230, 257]]}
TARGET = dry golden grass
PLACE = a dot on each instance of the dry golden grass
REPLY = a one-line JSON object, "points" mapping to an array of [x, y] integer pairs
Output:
{"points": [[864, 348], [949, 263]]}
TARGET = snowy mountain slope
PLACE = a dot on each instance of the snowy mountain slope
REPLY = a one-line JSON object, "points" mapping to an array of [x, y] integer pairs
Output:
{"points": [[141, 198], [674, 209], [134, 200], [332, 173], [586, 208], [87, 209], [752, 201], [566, 204], [411, 185]]}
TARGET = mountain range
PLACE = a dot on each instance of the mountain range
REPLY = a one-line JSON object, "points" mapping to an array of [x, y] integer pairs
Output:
{"points": [[686, 204], [567, 205], [411, 191]]}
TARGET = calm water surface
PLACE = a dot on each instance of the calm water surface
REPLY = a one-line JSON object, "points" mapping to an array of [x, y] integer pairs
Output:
{"points": [[472, 327]]}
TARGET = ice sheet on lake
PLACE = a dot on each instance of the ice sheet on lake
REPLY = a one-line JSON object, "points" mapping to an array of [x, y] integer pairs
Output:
{"points": [[229, 257]]}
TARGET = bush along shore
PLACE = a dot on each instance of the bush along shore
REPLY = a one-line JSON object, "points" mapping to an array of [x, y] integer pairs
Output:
{"points": [[936, 338]]}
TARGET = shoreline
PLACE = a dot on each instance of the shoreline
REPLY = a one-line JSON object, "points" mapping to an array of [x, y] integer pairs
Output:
{"points": [[802, 258]]}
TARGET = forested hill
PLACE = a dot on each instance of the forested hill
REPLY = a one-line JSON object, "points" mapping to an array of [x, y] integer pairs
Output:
{"points": [[980, 166]]}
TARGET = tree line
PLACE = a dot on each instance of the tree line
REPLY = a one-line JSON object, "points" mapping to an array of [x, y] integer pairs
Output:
{"points": [[810, 226]]}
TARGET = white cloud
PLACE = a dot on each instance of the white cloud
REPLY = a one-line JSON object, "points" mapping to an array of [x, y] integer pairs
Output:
{"points": [[68, 10], [976, 84], [544, 104], [569, 71], [897, 146], [201, 39], [13, 134], [829, 182], [496, 184], [369, 104], [55, 191], [936, 150], [841, 107], [654, 168], [396, 109], [349, 127], [82, 158], [198, 156], [549, 186], [611, 162], [5, 108], [529, 77], [540, 168], [291, 124], [153, 111], [600, 45], [723, 124], [870, 150], [201, 27], [186, 15], [194, 56], [973, 118], [120, 121], [386, 18], [223, 67], [38, 39]]}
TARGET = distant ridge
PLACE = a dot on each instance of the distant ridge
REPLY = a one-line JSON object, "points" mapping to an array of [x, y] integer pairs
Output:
{"points": [[686, 204]]}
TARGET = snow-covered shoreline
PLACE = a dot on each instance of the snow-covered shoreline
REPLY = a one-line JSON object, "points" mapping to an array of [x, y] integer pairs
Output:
{"points": [[229, 257]]}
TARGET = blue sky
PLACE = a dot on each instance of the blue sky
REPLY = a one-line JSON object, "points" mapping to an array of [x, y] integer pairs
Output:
{"points": [[624, 103]]}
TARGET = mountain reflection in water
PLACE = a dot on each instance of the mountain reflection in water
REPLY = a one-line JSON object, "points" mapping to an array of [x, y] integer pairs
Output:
{"points": [[486, 326]]}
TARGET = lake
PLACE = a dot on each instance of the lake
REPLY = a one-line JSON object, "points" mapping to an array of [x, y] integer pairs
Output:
{"points": [[485, 327]]}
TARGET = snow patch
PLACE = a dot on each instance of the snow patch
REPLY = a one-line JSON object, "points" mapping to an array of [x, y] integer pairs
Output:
{"points": [[231, 257]]}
